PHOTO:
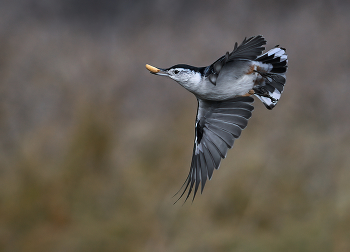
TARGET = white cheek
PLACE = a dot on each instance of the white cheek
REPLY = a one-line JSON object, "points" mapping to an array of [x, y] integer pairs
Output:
{"points": [[198, 78], [192, 82], [195, 80]]}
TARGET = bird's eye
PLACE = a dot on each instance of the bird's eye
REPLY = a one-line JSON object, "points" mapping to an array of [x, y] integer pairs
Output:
{"points": [[176, 71]]}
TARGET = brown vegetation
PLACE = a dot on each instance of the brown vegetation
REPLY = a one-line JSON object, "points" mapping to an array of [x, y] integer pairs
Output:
{"points": [[92, 147]]}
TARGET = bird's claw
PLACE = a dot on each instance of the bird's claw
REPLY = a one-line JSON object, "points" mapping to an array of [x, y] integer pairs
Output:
{"points": [[262, 91]]}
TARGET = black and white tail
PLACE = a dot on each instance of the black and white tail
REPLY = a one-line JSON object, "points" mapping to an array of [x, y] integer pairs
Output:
{"points": [[274, 78]]}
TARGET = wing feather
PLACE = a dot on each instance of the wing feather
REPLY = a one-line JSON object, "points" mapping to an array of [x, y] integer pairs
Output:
{"points": [[219, 144], [249, 49], [214, 152], [225, 136], [234, 129], [209, 161], [239, 112], [198, 175], [204, 170], [238, 120]]}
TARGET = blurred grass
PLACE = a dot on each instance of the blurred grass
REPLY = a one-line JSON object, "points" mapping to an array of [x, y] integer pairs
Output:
{"points": [[92, 148]]}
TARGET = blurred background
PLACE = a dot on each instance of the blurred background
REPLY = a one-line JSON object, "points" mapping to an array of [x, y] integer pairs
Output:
{"points": [[93, 147]]}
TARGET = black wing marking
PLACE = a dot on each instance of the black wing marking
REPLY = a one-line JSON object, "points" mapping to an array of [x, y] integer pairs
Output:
{"points": [[218, 124], [249, 49]]}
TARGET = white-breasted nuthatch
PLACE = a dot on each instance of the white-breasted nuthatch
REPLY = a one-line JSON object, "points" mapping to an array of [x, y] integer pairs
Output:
{"points": [[223, 90]]}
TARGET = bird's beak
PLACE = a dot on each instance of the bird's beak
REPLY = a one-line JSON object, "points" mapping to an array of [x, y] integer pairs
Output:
{"points": [[157, 71]]}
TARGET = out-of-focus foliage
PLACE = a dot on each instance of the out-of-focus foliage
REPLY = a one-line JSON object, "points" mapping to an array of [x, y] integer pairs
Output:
{"points": [[92, 147]]}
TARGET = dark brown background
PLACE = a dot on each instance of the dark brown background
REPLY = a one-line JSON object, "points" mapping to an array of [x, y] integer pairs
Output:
{"points": [[92, 147]]}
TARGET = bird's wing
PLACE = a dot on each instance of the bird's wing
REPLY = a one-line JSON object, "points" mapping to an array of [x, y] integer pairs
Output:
{"points": [[249, 49], [218, 124]]}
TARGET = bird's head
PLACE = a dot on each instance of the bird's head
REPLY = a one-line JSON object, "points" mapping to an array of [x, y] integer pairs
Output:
{"points": [[187, 76]]}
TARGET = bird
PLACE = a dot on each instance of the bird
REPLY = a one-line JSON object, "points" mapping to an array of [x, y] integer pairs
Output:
{"points": [[224, 92]]}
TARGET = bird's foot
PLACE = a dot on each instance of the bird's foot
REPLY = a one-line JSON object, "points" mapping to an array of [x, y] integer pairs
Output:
{"points": [[262, 91]]}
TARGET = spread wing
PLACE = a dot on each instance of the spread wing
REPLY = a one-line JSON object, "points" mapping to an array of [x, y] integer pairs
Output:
{"points": [[249, 49], [218, 124]]}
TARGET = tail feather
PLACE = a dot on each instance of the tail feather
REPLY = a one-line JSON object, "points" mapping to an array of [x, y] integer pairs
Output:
{"points": [[275, 78]]}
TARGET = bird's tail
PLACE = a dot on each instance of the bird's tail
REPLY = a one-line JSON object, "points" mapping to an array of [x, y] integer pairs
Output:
{"points": [[273, 80]]}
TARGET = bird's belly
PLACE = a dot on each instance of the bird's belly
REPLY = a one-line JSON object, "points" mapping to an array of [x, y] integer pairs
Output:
{"points": [[229, 86], [236, 86]]}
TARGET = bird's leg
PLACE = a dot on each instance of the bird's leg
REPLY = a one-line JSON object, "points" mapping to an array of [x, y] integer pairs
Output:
{"points": [[259, 87], [262, 91]]}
